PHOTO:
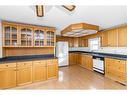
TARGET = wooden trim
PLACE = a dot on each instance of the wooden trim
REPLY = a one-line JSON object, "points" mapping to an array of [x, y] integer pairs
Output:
{"points": [[79, 26]]}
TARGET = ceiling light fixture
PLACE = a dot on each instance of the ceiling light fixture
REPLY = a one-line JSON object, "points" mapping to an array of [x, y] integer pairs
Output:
{"points": [[39, 10]]}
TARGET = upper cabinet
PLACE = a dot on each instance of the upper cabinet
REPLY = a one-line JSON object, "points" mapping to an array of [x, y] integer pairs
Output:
{"points": [[39, 37], [10, 35], [26, 35], [113, 38], [122, 37], [50, 38], [21, 35]]}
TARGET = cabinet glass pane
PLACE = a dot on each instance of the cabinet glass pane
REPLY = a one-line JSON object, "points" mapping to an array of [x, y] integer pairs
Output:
{"points": [[50, 38], [26, 37], [39, 38], [10, 34]]}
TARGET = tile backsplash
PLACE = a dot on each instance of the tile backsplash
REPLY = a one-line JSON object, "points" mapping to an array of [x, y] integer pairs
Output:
{"points": [[114, 50]]}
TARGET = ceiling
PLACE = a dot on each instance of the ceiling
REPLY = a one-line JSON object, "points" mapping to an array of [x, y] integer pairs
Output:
{"points": [[59, 17]]}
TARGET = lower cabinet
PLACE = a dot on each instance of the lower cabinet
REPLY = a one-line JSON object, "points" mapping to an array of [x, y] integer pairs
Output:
{"points": [[24, 73], [7, 75], [116, 70], [87, 61], [52, 69], [39, 70], [72, 58], [21, 73]]}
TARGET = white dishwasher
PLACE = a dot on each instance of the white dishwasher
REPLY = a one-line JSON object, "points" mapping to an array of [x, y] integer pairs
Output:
{"points": [[98, 64]]}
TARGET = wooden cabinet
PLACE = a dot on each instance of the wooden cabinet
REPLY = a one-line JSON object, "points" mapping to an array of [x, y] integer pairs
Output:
{"points": [[72, 58], [39, 70], [52, 69], [50, 37], [26, 35], [39, 37], [10, 35], [104, 38], [116, 70], [83, 42], [22, 35], [87, 61], [24, 73], [113, 38], [7, 75], [122, 37]]}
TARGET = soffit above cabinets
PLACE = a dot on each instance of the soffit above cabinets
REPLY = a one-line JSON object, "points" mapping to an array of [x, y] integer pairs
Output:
{"points": [[79, 29]]}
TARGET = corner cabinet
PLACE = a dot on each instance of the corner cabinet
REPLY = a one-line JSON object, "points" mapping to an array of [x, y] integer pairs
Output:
{"points": [[22, 35]]}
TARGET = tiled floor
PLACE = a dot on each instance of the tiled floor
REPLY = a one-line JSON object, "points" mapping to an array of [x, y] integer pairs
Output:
{"points": [[75, 77]]}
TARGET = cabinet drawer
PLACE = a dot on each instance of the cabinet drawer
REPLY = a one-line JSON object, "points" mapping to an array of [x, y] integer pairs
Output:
{"points": [[49, 61], [7, 65], [39, 63], [24, 64]]}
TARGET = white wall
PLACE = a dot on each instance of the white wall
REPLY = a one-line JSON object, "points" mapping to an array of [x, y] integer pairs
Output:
{"points": [[0, 39]]}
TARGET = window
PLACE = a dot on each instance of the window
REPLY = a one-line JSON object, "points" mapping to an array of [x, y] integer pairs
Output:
{"points": [[94, 43]]}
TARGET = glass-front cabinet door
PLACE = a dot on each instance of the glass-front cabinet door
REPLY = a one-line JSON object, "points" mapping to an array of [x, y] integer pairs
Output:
{"points": [[50, 38], [26, 35], [10, 36], [39, 37]]}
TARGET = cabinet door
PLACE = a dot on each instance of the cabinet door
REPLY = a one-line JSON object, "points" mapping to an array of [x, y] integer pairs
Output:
{"points": [[50, 38], [39, 37], [39, 71], [7, 78], [26, 36], [104, 39], [89, 63], [52, 69], [113, 38], [122, 37], [10, 35], [24, 75]]}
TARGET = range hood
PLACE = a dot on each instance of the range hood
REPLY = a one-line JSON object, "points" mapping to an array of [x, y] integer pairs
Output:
{"points": [[79, 29]]}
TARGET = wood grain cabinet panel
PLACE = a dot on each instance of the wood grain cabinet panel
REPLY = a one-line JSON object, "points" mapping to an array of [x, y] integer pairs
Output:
{"points": [[122, 37], [116, 70], [113, 38], [39, 71], [52, 69], [7, 78], [24, 73]]}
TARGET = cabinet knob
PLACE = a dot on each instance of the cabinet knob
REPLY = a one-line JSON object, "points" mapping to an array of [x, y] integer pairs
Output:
{"points": [[6, 65]]}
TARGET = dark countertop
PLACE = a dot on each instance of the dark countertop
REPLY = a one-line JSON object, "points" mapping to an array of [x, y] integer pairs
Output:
{"points": [[116, 56], [26, 58]]}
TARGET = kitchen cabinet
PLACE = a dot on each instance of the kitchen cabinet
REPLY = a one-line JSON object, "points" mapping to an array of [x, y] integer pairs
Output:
{"points": [[10, 35], [22, 35], [104, 38], [72, 58], [87, 61], [39, 70], [26, 35], [39, 37], [24, 73], [83, 42], [122, 36], [113, 38], [7, 75], [52, 69], [116, 69]]}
